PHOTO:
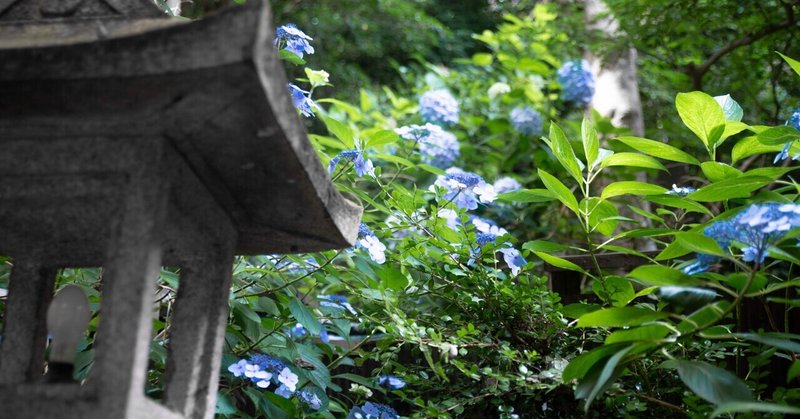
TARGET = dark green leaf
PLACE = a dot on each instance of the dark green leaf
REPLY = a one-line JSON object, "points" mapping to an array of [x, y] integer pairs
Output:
{"points": [[662, 275], [711, 383], [304, 316]]}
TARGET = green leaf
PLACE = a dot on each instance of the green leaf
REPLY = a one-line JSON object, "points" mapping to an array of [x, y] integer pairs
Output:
{"points": [[779, 340], [779, 135], [686, 298], [794, 371], [482, 59], [731, 109], [544, 246], [662, 275], [381, 137], [527, 195], [291, 57], [732, 128], [614, 289], [304, 316], [340, 131], [699, 243], [563, 151], [619, 317], [715, 171], [749, 146], [581, 364], [631, 188], [702, 115], [225, 405], [678, 202], [603, 215], [711, 383], [395, 159], [704, 317], [392, 277], [647, 332], [598, 384], [673, 250], [740, 187], [559, 262], [733, 407], [576, 310], [591, 144], [561, 192], [658, 149], [632, 160], [792, 63]]}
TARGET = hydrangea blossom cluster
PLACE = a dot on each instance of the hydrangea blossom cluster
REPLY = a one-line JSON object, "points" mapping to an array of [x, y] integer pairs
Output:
{"points": [[372, 411], [369, 241], [299, 331], [310, 398], [302, 100], [439, 148], [577, 83], [363, 166], [756, 228], [464, 189], [526, 120], [488, 232], [794, 122], [264, 370], [391, 382], [680, 191], [439, 107], [506, 184], [293, 40]]}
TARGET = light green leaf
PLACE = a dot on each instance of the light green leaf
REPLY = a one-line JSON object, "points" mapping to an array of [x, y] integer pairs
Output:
{"points": [[779, 135], [740, 187], [678, 202], [614, 289], [662, 275], [603, 215], [631, 188], [731, 109], [716, 171], [340, 130], [658, 149], [317, 78], [699, 243], [562, 149], [673, 250], [527, 195], [632, 160], [792, 63], [544, 246], [732, 128], [482, 59], [591, 144], [291, 57], [702, 115], [619, 317], [559, 262], [395, 159], [750, 146], [711, 383], [733, 407], [381, 137], [647, 332], [561, 192]]}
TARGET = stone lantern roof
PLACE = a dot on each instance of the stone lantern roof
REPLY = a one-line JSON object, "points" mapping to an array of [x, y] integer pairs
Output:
{"points": [[131, 140]]}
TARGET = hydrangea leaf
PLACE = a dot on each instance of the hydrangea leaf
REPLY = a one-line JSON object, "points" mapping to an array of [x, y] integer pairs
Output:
{"points": [[562, 149], [559, 190], [591, 144], [702, 115], [594, 384], [750, 146], [658, 149], [779, 135], [632, 160], [662, 275], [730, 108], [291, 57], [304, 316], [528, 195], [716, 171], [559, 262], [631, 188], [792, 63], [711, 383], [619, 317], [740, 187], [340, 130], [646, 332]]}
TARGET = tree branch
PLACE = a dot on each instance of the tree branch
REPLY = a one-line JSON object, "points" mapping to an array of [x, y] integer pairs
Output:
{"points": [[696, 72]]}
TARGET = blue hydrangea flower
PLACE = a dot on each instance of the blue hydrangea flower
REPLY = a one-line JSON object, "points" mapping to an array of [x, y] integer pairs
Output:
{"points": [[486, 226], [363, 166], [577, 83], [438, 147], [302, 101], [513, 259], [264, 370], [702, 264], [439, 107], [372, 411], [506, 184], [293, 39], [309, 398], [680, 191], [464, 189], [369, 241], [391, 382], [298, 331], [756, 228], [526, 120], [794, 122]]}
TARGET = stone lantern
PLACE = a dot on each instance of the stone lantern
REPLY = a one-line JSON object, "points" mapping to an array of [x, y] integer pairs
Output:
{"points": [[131, 140]]}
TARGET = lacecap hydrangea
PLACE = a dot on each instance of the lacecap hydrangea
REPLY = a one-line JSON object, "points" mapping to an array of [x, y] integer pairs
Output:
{"points": [[438, 147], [369, 241], [264, 370], [302, 101], [362, 165], [577, 82], [464, 189], [293, 40], [526, 120], [438, 107], [371, 410], [755, 229]]}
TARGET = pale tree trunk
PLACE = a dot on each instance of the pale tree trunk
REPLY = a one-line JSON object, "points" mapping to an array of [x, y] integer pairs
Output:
{"points": [[617, 89]]}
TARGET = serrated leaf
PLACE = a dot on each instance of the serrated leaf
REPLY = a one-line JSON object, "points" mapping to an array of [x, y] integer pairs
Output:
{"points": [[528, 195], [561, 192], [632, 160], [658, 149], [740, 187], [731, 109], [559, 262], [619, 317], [702, 115], [716, 171], [711, 383], [662, 275], [732, 128], [591, 144], [381, 137], [779, 135], [631, 188]]}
